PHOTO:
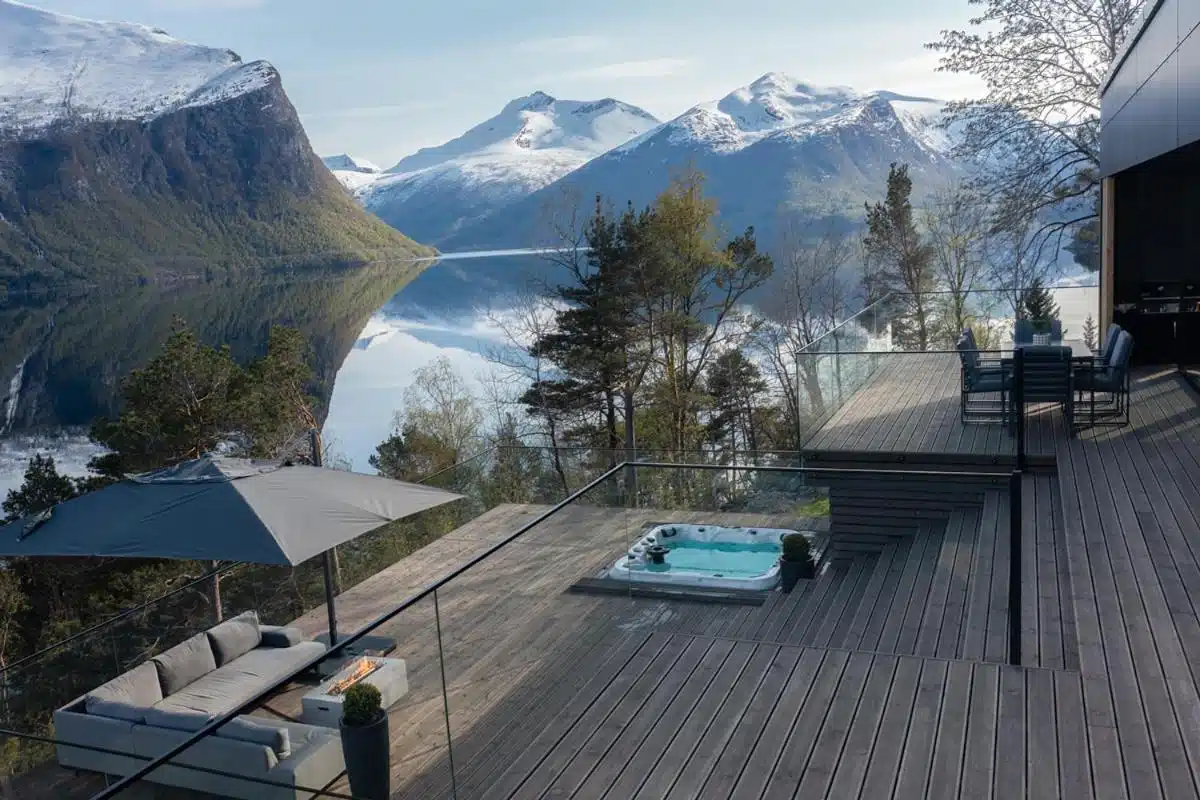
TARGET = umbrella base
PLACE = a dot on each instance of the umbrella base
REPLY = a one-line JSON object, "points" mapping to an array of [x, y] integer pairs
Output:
{"points": [[366, 646]]}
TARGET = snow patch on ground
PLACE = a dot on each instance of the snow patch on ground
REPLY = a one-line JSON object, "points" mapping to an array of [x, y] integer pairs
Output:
{"points": [[55, 66]]}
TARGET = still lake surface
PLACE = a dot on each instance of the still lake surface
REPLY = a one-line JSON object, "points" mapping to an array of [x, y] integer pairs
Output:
{"points": [[63, 355]]}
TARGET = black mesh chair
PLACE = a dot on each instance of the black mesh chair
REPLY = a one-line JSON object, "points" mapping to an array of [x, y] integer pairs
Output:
{"points": [[1108, 378], [981, 377], [1047, 378], [1105, 354]]}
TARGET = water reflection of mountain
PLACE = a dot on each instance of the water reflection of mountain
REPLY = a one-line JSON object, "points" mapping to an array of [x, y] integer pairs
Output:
{"points": [[465, 282], [62, 357]]}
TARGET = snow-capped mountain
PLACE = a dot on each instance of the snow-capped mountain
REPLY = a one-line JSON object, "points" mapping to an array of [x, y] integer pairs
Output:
{"points": [[124, 151], [353, 172], [348, 163], [532, 142], [54, 66], [775, 144]]}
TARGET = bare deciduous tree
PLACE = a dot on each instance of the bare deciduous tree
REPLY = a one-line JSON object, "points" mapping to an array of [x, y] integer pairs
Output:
{"points": [[527, 318], [813, 251], [1035, 134], [956, 228]]}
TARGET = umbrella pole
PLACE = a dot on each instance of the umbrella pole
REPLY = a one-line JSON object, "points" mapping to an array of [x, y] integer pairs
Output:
{"points": [[317, 461], [328, 567]]}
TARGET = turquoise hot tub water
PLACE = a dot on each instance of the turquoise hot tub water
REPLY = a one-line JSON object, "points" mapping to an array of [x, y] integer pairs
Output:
{"points": [[709, 556], [727, 559]]}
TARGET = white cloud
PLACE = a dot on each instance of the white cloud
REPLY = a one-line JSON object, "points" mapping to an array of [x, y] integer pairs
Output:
{"points": [[563, 44], [648, 68]]}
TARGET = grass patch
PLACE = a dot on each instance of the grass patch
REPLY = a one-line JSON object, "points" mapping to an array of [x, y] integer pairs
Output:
{"points": [[818, 507]]}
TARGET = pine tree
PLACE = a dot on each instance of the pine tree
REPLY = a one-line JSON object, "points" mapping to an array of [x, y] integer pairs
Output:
{"points": [[1089, 332], [1037, 302], [899, 261], [737, 388]]}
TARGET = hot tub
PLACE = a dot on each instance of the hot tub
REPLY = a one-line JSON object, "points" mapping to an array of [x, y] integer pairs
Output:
{"points": [[708, 556]]}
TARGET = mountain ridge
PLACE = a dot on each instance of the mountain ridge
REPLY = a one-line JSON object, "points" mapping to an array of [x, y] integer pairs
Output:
{"points": [[769, 148], [531, 142]]}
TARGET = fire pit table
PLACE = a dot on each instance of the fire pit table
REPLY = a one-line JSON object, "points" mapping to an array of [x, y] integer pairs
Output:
{"points": [[323, 705]]}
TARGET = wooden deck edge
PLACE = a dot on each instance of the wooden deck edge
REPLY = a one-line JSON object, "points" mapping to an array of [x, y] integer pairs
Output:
{"points": [[885, 460], [610, 586]]}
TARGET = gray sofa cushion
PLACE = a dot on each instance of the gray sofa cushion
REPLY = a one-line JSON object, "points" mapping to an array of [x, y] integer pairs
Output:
{"points": [[211, 752], [184, 663], [250, 729], [88, 730], [126, 696], [234, 637], [115, 709], [227, 688], [280, 636], [316, 757], [177, 719]]}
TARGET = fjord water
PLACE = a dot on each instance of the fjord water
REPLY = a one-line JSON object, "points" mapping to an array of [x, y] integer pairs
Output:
{"points": [[63, 354]]}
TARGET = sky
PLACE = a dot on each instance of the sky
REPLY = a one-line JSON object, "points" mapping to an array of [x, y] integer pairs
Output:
{"points": [[382, 78]]}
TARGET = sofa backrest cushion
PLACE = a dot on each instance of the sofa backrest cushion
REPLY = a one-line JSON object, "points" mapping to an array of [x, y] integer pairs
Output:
{"points": [[176, 719], [247, 729], [234, 637], [211, 752], [126, 696], [184, 663]]}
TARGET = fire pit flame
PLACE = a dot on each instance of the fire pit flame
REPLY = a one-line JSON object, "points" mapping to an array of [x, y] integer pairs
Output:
{"points": [[360, 669]]}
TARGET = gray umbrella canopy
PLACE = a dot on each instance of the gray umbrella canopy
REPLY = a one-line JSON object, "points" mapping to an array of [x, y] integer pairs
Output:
{"points": [[221, 509]]}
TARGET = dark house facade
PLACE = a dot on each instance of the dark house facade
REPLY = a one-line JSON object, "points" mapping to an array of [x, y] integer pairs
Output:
{"points": [[1150, 195]]}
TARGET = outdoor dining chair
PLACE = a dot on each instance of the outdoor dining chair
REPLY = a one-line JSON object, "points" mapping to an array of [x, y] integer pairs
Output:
{"points": [[1109, 377], [1047, 378], [981, 377]]}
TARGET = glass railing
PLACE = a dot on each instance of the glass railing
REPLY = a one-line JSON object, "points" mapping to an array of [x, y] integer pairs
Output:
{"points": [[891, 379], [546, 663]]}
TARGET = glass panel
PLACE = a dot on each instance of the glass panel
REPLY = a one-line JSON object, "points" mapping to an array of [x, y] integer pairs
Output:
{"points": [[524, 630]]}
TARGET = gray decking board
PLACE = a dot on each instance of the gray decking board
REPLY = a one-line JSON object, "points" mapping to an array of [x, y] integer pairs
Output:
{"points": [[955, 608], [913, 780], [815, 745], [773, 731], [657, 777]]}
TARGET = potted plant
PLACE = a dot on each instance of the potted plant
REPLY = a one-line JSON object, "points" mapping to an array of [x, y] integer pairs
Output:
{"points": [[365, 743], [796, 562], [1041, 331]]}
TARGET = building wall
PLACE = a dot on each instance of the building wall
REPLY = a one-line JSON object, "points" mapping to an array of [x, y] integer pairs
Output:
{"points": [[1152, 102]]}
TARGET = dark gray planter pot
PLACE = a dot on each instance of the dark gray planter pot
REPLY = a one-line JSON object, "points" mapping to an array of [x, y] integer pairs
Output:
{"points": [[790, 572], [367, 750]]}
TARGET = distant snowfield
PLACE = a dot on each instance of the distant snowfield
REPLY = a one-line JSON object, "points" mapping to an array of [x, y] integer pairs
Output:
{"points": [[54, 65]]}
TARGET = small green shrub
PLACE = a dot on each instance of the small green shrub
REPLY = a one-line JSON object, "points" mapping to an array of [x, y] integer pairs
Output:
{"points": [[817, 507], [796, 548], [361, 705]]}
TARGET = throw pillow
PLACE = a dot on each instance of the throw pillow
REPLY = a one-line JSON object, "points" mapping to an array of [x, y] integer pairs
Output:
{"points": [[184, 663], [234, 637]]}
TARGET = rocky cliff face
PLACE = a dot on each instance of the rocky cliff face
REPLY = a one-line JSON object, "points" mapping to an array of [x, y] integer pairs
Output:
{"points": [[227, 185], [125, 153]]}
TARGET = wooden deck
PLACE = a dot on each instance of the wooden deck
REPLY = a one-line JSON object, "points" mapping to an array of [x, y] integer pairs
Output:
{"points": [[882, 677], [911, 406]]}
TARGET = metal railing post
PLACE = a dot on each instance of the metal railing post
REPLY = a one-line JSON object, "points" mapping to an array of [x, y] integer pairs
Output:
{"points": [[1018, 405], [1014, 568]]}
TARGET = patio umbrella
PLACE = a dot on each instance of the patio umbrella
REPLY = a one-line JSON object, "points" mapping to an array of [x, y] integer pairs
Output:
{"points": [[223, 509]]}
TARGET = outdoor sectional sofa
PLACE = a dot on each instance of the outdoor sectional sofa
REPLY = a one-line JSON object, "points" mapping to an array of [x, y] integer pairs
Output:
{"points": [[158, 704]]}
